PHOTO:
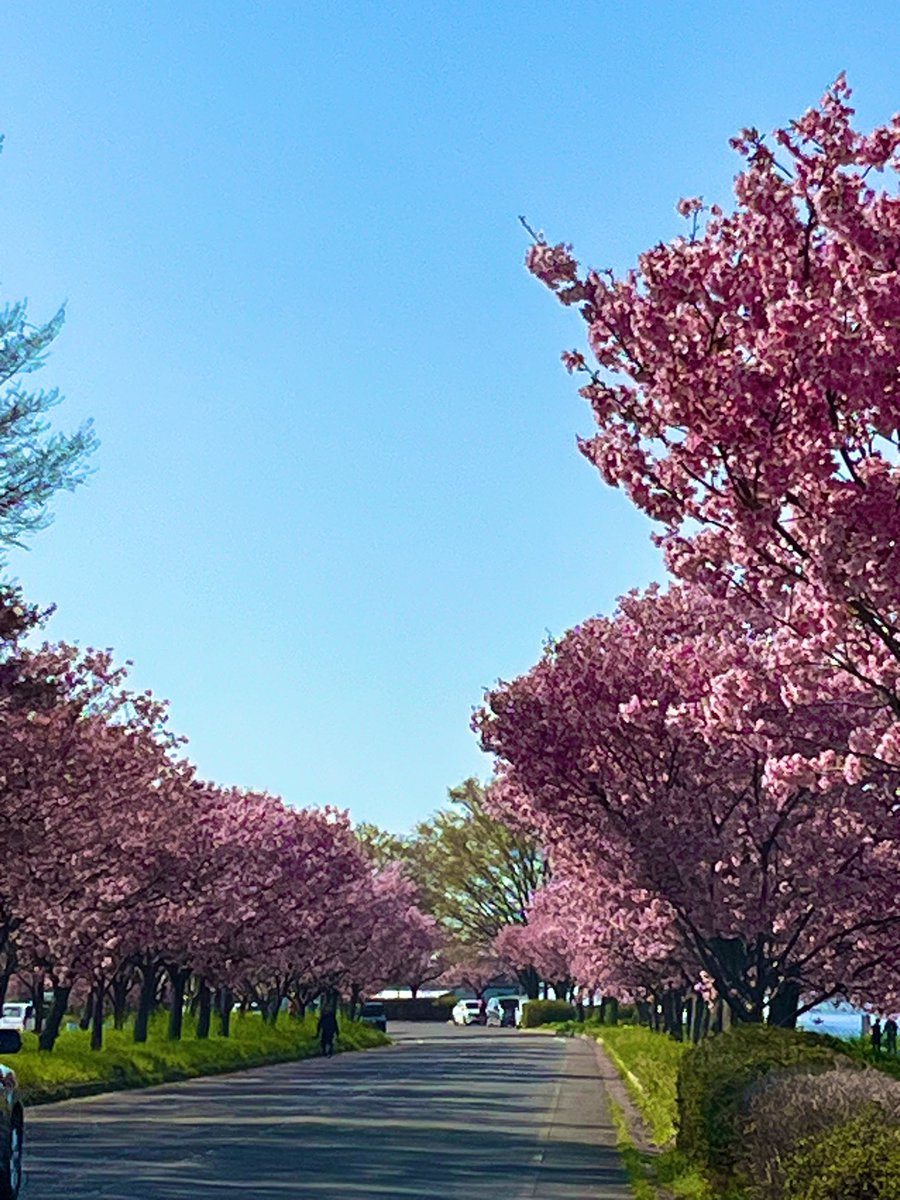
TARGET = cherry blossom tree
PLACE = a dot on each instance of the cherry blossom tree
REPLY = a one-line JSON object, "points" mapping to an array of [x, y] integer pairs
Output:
{"points": [[746, 391], [631, 758]]}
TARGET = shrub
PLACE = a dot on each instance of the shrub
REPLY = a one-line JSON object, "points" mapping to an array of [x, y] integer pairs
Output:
{"points": [[856, 1161], [542, 1012], [781, 1110], [713, 1077]]}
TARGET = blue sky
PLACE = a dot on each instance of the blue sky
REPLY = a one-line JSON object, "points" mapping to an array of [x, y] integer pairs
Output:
{"points": [[338, 493]]}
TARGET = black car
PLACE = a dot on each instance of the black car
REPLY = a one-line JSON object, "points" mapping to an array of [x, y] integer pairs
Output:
{"points": [[373, 1014], [12, 1125]]}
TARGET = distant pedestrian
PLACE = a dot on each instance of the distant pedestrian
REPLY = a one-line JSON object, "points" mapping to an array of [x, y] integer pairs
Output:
{"points": [[328, 1030], [876, 1035], [890, 1036]]}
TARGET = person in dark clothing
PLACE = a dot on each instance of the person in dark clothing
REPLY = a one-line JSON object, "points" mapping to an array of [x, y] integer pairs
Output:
{"points": [[890, 1036], [328, 1030], [876, 1035]]}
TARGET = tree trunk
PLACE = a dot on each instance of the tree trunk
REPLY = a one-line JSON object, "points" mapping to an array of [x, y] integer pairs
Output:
{"points": [[178, 978], [354, 1001], [699, 1011], [226, 1002], [783, 1005], [204, 1008], [529, 982], [643, 1012], [85, 1022], [97, 1015], [50, 1032], [673, 1013], [146, 999], [610, 1010], [36, 988], [121, 986]]}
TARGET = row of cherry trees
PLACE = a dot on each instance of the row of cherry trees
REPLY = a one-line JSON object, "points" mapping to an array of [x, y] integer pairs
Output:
{"points": [[715, 768], [124, 874]]}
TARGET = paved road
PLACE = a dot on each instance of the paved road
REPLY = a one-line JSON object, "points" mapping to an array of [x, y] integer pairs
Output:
{"points": [[445, 1114]]}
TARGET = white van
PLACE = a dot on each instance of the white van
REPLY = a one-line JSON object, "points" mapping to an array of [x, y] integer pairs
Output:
{"points": [[505, 1010], [19, 1015]]}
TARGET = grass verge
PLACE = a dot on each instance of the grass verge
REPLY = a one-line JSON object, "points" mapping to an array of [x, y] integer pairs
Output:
{"points": [[74, 1069]]}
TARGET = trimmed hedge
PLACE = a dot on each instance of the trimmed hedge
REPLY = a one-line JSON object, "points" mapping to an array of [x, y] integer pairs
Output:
{"points": [[423, 1008], [543, 1012], [782, 1110], [714, 1076], [857, 1161]]}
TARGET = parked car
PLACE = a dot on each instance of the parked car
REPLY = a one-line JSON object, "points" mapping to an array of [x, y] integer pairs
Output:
{"points": [[466, 1012], [505, 1011], [372, 1013], [12, 1125], [17, 1014]]}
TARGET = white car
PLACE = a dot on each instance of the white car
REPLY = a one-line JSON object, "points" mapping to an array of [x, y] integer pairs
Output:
{"points": [[18, 1015], [466, 1012]]}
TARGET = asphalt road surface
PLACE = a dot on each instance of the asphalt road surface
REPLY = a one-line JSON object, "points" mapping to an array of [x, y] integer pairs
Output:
{"points": [[444, 1114]]}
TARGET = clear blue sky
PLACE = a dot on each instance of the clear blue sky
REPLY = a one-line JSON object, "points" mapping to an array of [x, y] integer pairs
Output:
{"points": [[338, 493]]}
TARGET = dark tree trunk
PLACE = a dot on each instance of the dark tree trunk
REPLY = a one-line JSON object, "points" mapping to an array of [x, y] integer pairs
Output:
{"points": [[146, 999], [226, 1002], [97, 1015], [50, 1032], [610, 1010], [273, 1006], [36, 990], [529, 982], [121, 986], [178, 978], [698, 1012], [673, 1013], [354, 1001], [204, 1008], [721, 1019], [644, 1013], [783, 1005], [85, 1022]]}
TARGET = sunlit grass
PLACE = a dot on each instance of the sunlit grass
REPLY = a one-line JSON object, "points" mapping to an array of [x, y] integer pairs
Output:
{"points": [[73, 1066]]}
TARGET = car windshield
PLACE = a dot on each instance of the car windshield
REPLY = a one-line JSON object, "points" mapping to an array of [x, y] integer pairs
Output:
{"points": [[13, 1010]]}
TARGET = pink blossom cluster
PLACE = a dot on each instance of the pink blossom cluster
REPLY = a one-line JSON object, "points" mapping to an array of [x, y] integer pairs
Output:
{"points": [[120, 868], [714, 769], [695, 821]]}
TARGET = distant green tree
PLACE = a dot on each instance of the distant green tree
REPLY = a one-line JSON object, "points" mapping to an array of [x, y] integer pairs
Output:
{"points": [[474, 874], [381, 847], [34, 463]]}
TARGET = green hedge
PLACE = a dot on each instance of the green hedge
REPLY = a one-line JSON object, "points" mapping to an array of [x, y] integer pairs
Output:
{"points": [[856, 1161], [543, 1012], [713, 1077]]}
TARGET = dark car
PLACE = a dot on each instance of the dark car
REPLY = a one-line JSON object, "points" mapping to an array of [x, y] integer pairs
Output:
{"points": [[373, 1014], [12, 1125]]}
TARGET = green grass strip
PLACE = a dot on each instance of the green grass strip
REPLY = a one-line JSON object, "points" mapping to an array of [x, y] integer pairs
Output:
{"points": [[72, 1068]]}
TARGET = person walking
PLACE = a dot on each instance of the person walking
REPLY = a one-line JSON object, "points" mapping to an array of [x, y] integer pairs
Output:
{"points": [[328, 1030], [890, 1036], [876, 1035]]}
